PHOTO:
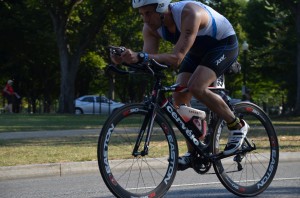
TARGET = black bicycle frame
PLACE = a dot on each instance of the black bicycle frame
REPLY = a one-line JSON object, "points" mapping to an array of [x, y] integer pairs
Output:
{"points": [[159, 101], [172, 113]]}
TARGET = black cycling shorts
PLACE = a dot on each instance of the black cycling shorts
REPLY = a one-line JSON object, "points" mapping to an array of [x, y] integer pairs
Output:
{"points": [[217, 55]]}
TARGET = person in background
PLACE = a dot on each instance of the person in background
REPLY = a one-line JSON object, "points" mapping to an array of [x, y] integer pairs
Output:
{"points": [[9, 93]]}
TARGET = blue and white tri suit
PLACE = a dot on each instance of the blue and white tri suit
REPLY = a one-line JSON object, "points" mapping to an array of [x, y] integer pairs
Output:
{"points": [[216, 45]]}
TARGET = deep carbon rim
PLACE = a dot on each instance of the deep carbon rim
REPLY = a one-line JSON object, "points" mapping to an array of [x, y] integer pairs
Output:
{"points": [[128, 176], [258, 166]]}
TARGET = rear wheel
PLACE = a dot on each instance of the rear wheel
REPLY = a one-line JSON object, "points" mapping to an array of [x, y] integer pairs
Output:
{"points": [[248, 173], [128, 175]]}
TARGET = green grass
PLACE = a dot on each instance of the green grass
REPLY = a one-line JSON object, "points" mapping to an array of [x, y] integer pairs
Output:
{"points": [[52, 150], [34, 122], [68, 149], [78, 149], [42, 122]]}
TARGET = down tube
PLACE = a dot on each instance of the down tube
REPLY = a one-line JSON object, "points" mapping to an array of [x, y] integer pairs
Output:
{"points": [[181, 125]]}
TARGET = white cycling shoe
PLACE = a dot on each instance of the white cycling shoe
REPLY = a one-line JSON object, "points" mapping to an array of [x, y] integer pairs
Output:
{"points": [[236, 138]]}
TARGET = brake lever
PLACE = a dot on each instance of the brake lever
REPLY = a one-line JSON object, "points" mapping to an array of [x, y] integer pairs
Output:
{"points": [[149, 69]]}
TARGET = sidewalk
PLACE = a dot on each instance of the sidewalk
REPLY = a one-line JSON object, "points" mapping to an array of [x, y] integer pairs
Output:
{"points": [[61, 169]]}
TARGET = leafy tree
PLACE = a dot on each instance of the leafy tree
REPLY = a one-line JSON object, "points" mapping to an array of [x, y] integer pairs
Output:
{"points": [[234, 11], [76, 24], [272, 52], [27, 53], [69, 48], [90, 75], [294, 7], [123, 29]]}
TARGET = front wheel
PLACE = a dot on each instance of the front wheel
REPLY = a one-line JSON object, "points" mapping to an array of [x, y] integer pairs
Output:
{"points": [[251, 172], [137, 175]]}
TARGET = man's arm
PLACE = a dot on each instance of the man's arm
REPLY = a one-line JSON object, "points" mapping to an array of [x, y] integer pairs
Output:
{"points": [[151, 40], [192, 19], [151, 45]]}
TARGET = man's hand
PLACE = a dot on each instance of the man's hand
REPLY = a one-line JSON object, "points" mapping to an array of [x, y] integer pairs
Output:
{"points": [[115, 54], [129, 56], [119, 55]]}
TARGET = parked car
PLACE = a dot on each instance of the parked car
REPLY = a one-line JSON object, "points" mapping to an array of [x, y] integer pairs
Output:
{"points": [[92, 104]]}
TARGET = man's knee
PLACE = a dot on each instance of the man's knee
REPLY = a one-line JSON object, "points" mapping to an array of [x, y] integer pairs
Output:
{"points": [[197, 90]]}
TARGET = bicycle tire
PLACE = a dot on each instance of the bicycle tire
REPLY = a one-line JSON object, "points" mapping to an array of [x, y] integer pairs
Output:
{"points": [[142, 176], [258, 166]]}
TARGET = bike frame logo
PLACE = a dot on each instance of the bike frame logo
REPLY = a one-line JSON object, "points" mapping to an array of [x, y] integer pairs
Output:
{"points": [[107, 137], [172, 160], [188, 132], [270, 170]]}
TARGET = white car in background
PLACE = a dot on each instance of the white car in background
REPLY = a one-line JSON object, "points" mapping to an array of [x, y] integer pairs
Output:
{"points": [[93, 104]]}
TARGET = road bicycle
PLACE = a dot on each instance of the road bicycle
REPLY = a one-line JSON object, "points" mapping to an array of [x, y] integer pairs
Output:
{"points": [[138, 144]]}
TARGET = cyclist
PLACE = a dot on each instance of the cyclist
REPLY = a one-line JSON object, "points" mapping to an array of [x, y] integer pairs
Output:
{"points": [[205, 46]]}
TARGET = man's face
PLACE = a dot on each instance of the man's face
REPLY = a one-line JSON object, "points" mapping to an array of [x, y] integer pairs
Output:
{"points": [[150, 16]]}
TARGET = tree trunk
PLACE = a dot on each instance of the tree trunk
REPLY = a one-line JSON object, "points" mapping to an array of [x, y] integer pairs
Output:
{"points": [[67, 89], [69, 66], [298, 58]]}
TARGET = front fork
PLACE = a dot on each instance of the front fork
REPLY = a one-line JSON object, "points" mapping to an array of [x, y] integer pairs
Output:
{"points": [[147, 127]]}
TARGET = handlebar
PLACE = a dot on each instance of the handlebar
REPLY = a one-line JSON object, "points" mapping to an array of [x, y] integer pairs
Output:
{"points": [[150, 67]]}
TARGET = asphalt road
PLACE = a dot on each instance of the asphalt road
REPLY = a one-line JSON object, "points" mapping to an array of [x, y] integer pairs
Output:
{"points": [[83, 179], [187, 184]]}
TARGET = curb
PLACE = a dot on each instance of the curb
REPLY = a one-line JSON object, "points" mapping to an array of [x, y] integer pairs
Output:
{"points": [[42, 170], [69, 168]]}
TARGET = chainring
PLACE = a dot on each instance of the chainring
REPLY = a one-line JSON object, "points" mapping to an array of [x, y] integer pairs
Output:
{"points": [[201, 164]]}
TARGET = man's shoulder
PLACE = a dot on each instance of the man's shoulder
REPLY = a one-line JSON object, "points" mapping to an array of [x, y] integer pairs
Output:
{"points": [[181, 4]]}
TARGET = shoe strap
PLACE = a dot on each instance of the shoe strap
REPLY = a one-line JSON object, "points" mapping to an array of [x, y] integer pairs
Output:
{"points": [[236, 134]]}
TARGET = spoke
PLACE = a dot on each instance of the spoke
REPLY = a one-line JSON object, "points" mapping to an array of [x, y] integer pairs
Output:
{"points": [[153, 168], [128, 169], [141, 174], [149, 168]]}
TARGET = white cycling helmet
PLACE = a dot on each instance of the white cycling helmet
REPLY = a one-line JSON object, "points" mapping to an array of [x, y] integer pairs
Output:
{"points": [[161, 7]]}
